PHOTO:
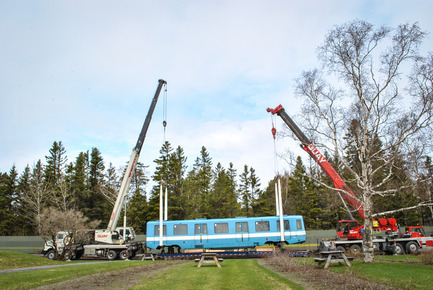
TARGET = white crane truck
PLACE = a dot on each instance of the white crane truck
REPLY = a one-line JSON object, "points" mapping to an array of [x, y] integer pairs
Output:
{"points": [[113, 242]]}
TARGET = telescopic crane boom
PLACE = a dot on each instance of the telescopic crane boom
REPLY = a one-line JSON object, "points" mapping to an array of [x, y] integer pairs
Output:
{"points": [[311, 149], [124, 188]]}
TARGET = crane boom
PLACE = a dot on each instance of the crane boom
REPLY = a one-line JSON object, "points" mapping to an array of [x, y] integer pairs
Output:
{"points": [[133, 162], [312, 150]]}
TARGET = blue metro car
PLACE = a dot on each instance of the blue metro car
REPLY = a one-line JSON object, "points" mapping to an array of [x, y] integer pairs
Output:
{"points": [[228, 233]]}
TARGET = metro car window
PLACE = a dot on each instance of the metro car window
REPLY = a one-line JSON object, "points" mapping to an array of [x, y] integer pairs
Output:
{"points": [[286, 225], [180, 229], [262, 226], [200, 229], [157, 230], [241, 227], [221, 228]]}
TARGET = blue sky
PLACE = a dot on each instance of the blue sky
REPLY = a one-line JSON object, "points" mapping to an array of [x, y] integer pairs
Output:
{"points": [[84, 73]]}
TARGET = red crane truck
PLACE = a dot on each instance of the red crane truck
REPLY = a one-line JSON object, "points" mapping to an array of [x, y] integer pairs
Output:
{"points": [[413, 239]]}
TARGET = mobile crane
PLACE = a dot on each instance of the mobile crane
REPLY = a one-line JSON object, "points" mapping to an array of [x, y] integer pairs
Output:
{"points": [[110, 235], [411, 241], [108, 242]]}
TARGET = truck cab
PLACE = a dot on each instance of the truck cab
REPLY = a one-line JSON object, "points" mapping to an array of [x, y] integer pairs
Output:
{"points": [[414, 232], [349, 229]]}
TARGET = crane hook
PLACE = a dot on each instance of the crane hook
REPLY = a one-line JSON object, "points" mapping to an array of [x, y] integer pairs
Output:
{"points": [[274, 132]]}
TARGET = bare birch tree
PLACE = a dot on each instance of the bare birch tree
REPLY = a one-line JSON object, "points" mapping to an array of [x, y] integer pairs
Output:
{"points": [[73, 223], [35, 198], [361, 79]]}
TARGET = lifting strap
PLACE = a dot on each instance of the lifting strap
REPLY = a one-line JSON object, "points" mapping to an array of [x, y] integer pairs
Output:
{"points": [[164, 112], [274, 135]]}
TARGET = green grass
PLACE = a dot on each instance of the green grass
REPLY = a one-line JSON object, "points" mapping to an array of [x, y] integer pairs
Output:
{"points": [[400, 275], [13, 260], [234, 274], [398, 258], [35, 278]]}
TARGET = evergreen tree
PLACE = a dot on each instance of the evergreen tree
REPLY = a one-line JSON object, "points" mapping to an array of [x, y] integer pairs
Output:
{"points": [[137, 205], [24, 215], [305, 195], [8, 191], [192, 195], [177, 202], [78, 177], [265, 203], [161, 174], [55, 164], [204, 174], [96, 206], [255, 189], [245, 192], [222, 199]]}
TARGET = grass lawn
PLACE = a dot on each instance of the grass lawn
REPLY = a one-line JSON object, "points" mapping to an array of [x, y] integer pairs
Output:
{"points": [[234, 274], [13, 260], [35, 278], [400, 275]]}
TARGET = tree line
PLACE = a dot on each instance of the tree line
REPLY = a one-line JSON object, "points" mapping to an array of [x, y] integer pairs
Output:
{"points": [[89, 186]]}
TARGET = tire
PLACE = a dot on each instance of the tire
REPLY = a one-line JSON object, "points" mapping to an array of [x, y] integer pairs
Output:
{"points": [[70, 255], [123, 255], [111, 255], [51, 255], [340, 248], [133, 254], [355, 249], [412, 248], [399, 250]]}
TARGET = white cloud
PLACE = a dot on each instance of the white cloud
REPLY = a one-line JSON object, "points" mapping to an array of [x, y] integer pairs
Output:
{"points": [[84, 72]]}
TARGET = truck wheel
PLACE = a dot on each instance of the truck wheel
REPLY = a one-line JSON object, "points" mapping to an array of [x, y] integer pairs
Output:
{"points": [[355, 249], [51, 255], [412, 248], [123, 255], [340, 248], [70, 255], [133, 254], [399, 250], [111, 255]]}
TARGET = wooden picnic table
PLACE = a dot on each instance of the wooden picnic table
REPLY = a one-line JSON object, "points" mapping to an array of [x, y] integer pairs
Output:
{"points": [[333, 257], [209, 258]]}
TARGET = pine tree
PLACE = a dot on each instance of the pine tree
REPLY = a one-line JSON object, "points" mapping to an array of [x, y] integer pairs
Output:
{"points": [[137, 205], [255, 189], [78, 178], [55, 164], [203, 168], [245, 192], [161, 174], [265, 203], [8, 192], [305, 195], [24, 215], [96, 206], [176, 182], [222, 199]]}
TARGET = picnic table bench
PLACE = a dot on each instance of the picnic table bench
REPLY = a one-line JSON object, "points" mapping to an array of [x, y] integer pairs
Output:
{"points": [[333, 257], [209, 258]]}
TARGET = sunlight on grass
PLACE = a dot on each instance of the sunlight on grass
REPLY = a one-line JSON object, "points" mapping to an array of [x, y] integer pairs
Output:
{"points": [[234, 274], [13, 260], [400, 275], [35, 278]]}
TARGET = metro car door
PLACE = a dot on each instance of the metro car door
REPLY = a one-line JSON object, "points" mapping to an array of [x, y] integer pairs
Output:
{"points": [[200, 234], [242, 232]]}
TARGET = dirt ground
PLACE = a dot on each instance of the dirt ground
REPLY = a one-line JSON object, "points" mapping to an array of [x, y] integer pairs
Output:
{"points": [[313, 277]]}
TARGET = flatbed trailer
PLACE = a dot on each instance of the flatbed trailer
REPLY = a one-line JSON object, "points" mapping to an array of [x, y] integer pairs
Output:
{"points": [[380, 244]]}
